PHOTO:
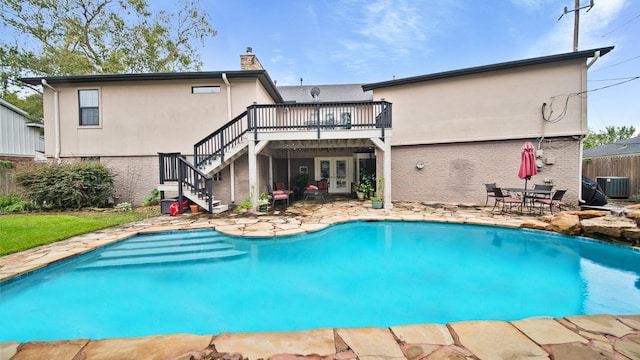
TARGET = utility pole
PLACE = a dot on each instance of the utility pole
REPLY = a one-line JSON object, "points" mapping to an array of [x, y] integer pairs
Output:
{"points": [[576, 22]]}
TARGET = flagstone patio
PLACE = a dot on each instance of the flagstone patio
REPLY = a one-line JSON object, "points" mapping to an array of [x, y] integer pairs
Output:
{"points": [[573, 337]]}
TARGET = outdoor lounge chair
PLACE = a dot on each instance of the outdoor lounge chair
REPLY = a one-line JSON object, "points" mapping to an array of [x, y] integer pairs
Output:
{"points": [[556, 199], [505, 199], [280, 187], [489, 188], [279, 195]]}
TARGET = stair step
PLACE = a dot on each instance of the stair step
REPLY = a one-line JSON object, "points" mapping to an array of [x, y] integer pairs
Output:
{"points": [[164, 259], [163, 250], [219, 209], [176, 235], [164, 243]]}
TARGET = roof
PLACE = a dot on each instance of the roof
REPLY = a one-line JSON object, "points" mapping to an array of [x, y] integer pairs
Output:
{"points": [[261, 75], [13, 108], [585, 54], [624, 147], [328, 93]]}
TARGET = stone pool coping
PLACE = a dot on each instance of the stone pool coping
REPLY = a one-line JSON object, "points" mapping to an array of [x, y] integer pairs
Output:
{"points": [[594, 336]]}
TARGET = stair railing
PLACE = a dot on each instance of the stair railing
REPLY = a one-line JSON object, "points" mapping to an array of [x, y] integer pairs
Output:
{"points": [[198, 183], [214, 146], [168, 166]]}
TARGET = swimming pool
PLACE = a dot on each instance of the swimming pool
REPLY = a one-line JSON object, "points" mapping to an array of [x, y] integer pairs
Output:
{"points": [[349, 275]]}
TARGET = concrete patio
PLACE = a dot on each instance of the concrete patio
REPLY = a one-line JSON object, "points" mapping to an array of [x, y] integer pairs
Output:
{"points": [[572, 337]]}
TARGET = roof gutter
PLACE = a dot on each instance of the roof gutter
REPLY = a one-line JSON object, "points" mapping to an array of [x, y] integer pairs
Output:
{"points": [[56, 118]]}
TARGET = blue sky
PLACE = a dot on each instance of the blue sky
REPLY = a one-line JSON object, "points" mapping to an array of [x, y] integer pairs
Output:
{"points": [[363, 41]]}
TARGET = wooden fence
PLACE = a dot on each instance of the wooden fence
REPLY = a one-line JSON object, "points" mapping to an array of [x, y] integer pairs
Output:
{"points": [[7, 184], [622, 165]]}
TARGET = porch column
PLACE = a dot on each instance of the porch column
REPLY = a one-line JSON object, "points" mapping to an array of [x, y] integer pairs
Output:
{"points": [[271, 173], [387, 173], [385, 147], [232, 180], [253, 173]]}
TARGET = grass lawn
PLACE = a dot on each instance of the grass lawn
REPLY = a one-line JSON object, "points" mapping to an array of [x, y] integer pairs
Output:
{"points": [[21, 232]]}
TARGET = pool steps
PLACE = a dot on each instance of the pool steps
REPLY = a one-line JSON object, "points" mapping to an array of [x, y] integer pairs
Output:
{"points": [[167, 248]]}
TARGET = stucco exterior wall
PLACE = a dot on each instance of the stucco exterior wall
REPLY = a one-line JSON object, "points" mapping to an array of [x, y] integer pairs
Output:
{"points": [[146, 117], [457, 172], [489, 106]]}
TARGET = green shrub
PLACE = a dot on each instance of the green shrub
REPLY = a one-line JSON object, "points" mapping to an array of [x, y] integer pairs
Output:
{"points": [[153, 199], [12, 203], [62, 186], [123, 207]]}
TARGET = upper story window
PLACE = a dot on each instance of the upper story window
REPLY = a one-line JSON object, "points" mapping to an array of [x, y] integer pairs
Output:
{"points": [[205, 89], [89, 107]]}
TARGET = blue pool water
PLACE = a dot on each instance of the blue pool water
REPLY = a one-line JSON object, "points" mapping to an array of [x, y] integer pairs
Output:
{"points": [[349, 275]]}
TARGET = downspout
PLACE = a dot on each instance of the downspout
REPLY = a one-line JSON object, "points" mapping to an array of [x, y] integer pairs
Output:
{"points": [[580, 199], [56, 118], [226, 81], [232, 167]]}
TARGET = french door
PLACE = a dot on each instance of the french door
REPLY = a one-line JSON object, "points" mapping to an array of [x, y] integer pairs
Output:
{"points": [[337, 171]]}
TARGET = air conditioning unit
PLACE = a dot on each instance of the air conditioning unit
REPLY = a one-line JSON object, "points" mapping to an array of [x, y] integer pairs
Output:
{"points": [[614, 186]]}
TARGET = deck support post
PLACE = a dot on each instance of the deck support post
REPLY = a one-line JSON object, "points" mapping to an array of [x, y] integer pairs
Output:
{"points": [[253, 173], [385, 147]]}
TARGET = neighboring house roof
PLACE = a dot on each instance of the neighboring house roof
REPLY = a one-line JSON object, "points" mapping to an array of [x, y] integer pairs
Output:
{"points": [[327, 93], [261, 75], [18, 138], [624, 147], [13, 108], [488, 68]]}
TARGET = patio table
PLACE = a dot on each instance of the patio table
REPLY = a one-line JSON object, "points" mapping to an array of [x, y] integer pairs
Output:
{"points": [[521, 192], [314, 194]]}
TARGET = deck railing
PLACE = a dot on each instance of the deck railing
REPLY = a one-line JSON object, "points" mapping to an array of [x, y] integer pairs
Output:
{"points": [[319, 116]]}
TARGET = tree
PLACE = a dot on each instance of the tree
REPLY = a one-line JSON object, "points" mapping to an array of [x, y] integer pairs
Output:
{"points": [[610, 135], [80, 37], [32, 104]]}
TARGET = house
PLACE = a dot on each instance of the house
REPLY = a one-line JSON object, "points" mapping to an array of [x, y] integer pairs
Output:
{"points": [[615, 166], [19, 140], [222, 137]]}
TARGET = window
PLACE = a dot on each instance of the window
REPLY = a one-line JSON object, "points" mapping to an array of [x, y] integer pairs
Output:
{"points": [[217, 176], [205, 89], [89, 110]]}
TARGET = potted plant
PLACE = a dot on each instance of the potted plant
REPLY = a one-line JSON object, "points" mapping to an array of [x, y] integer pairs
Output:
{"points": [[376, 201], [362, 189], [263, 201]]}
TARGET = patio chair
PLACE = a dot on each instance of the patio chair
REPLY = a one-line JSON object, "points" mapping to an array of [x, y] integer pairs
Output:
{"points": [[542, 187], [280, 187], [505, 198], [489, 188], [556, 199], [279, 195]]}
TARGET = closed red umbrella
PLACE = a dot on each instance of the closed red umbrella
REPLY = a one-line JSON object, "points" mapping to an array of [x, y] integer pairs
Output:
{"points": [[528, 166]]}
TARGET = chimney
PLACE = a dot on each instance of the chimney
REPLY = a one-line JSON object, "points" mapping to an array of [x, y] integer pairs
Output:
{"points": [[250, 61]]}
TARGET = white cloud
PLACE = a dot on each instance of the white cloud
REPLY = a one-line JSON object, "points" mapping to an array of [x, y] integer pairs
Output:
{"points": [[387, 31], [593, 25]]}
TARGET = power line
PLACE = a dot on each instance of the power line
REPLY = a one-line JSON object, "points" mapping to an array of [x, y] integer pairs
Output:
{"points": [[623, 25], [618, 63], [615, 79], [612, 85]]}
